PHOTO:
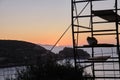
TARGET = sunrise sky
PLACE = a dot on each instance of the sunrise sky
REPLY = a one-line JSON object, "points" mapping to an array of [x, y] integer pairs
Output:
{"points": [[37, 21]]}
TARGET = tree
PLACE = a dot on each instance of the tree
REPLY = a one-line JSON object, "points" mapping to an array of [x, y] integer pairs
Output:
{"points": [[67, 52]]}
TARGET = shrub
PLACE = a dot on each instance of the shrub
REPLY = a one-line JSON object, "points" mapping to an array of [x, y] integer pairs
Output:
{"points": [[50, 72]]}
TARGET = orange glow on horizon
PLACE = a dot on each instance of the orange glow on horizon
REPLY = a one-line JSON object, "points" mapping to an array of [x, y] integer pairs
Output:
{"points": [[62, 42], [42, 23]]}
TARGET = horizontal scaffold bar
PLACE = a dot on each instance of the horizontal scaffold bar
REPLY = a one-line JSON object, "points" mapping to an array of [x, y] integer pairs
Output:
{"points": [[104, 22], [105, 34], [82, 26], [97, 77], [108, 77], [106, 70], [97, 61], [109, 30], [86, 1], [98, 45]]}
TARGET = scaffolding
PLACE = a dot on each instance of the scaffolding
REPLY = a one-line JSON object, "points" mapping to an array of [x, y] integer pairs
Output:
{"points": [[98, 19]]}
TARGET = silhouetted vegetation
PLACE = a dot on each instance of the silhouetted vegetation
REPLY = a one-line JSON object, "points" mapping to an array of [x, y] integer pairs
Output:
{"points": [[67, 52], [18, 53], [50, 71], [41, 63]]}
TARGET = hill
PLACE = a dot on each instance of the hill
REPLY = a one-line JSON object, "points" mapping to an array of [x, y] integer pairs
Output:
{"points": [[15, 53], [21, 53]]}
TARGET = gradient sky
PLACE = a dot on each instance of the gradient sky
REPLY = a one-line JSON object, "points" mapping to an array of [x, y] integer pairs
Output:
{"points": [[37, 21]]}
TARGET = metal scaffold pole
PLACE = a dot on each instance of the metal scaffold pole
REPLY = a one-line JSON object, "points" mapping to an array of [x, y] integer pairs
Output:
{"points": [[91, 24]]}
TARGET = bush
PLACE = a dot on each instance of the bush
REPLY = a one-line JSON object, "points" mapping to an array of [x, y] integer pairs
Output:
{"points": [[50, 72]]}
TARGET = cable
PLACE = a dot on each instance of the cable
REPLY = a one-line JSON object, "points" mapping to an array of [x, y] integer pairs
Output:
{"points": [[60, 37], [67, 29]]}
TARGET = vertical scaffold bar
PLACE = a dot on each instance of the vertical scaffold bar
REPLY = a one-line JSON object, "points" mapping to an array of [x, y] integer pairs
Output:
{"points": [[91, 22], [73, 36], [117, 30]]}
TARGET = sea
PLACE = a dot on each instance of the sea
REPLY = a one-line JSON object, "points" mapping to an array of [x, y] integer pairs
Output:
{"points": [[102, 51]]}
